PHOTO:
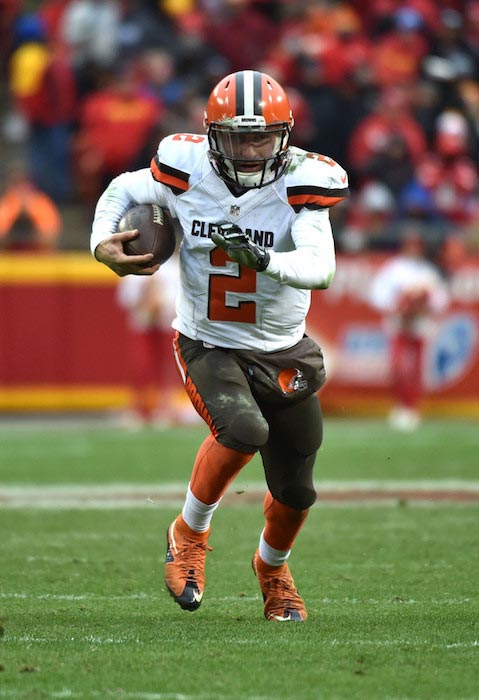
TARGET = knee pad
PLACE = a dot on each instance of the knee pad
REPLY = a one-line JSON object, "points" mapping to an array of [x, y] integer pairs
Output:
{"points": [[248, 432], [298, 497], [309, 445]]}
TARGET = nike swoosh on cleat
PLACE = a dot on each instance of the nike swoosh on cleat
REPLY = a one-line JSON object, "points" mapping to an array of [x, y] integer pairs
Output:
{"points": [[197, 596]]}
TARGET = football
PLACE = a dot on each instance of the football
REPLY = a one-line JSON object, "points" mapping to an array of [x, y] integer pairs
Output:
{"points": [[156, 232]]}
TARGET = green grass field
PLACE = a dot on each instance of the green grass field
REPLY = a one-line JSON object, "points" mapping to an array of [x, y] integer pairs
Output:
{"points": [[391, 586]]}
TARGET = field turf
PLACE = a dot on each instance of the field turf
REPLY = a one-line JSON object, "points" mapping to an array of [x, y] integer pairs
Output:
{"points": [[390, 586]]}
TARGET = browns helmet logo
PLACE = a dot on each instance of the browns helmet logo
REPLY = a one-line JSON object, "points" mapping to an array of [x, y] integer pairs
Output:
{"points": [[291, 380]]}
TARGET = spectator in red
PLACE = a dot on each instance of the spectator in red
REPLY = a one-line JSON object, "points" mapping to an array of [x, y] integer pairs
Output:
{"points": [[43, 90], [398, 54], [239, 33], [326, 41], [116, 124], [448, 173], [51, 13], [353, 44], [391, 117]]}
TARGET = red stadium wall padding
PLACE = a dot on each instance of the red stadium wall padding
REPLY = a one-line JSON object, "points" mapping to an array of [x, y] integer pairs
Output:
{"points": [[63, 338], [62, 334]]}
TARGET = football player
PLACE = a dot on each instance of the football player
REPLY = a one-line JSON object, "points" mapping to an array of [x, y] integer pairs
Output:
{"points": [[410, 293], [254, 212]]}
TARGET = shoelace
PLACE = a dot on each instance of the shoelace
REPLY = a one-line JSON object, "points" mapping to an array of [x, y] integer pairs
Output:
{"points": [[283, 588], [191, 557]]}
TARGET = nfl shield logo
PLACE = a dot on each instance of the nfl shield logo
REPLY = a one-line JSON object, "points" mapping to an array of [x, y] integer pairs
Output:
{"points": [[234, 210]]}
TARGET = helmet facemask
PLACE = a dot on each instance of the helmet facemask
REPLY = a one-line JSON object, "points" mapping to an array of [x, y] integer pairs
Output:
{"points": [[248, 157]]}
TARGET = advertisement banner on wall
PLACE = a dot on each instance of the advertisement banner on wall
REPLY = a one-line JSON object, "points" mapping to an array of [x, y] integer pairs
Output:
{"points": [[356, 342]]}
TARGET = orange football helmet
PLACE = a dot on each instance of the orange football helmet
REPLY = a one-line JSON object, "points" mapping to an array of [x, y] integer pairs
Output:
{"points": [[248, 119]]}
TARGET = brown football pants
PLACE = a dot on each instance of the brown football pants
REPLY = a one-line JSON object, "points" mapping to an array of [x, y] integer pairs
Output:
{"points": [[287, 434]]}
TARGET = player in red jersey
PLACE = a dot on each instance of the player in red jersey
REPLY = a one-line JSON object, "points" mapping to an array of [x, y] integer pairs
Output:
{"points": [[257, 239]]}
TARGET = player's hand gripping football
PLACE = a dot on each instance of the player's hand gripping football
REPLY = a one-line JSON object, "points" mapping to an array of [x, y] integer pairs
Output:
{"points": [[239, 247], [110, 253]]}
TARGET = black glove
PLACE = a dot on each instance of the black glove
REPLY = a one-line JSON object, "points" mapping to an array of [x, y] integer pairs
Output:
{"points": [[239, 247]]}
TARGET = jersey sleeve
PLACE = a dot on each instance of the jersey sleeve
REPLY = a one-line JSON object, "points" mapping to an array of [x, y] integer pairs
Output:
{"points": [[168, 176], [123, 192], [312, 264], [176, 159], [314, 184], [315, 181]]}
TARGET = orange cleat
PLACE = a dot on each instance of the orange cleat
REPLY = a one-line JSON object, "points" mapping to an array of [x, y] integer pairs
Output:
{"points": [[282, 602], [185, 564]]}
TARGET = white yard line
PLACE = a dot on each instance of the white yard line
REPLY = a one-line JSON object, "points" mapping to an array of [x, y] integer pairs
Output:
{"points": [[139, 695], [123, 495], [152, 597], [100, 641]]}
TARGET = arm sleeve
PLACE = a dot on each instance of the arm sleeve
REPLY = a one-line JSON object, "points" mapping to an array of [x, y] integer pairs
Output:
{"points": [[124, 192], [313, 262]]}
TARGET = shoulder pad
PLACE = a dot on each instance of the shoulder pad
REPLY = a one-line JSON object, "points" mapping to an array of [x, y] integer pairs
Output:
{"points": [[314, 181], [176, 159]]}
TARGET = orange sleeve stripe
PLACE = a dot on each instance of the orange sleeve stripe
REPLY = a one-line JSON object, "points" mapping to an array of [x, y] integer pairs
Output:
{"points": [[168, 179], [318, 200], [155, 169], [173, 181]]}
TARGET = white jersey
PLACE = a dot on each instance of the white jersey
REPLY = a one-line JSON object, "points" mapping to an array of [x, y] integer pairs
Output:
{"points": [[221, 302]]}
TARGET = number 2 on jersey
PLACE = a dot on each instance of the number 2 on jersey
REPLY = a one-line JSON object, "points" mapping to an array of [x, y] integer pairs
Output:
{"points": [[220, 284]]}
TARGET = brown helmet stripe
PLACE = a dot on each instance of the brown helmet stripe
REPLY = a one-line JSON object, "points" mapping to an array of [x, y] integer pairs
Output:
{"points": [[240, 93], [248, 93]]}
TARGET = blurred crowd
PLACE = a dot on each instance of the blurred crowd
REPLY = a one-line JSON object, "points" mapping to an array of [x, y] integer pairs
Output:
{"points": [[388, 88]]}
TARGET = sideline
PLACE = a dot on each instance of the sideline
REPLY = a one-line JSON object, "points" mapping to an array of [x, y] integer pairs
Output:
{"points": [[117, 496]]}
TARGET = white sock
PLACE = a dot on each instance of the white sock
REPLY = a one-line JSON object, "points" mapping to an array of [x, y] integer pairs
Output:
{"points": [[271, 556], [196, 514]]}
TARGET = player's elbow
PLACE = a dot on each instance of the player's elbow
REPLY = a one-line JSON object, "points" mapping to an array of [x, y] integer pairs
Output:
{"points": [[326, 279], [324, 284]]}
